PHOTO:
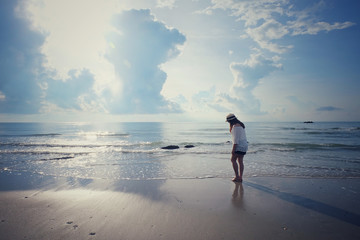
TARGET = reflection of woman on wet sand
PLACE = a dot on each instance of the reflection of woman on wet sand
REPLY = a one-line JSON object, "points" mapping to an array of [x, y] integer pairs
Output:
{"points": [[240, 145], [238, 194]]}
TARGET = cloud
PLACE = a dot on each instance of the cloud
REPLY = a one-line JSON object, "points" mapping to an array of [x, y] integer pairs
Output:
{"points": [[267, 21], [240, 98], [328, 109], [307, 22], [268, 31], [139, 47], [204, 101], [73, 93], [27, 86], [203, 97], [207, 100], [180, 99], [302, 28], [248, 73], [166, 3], [20, 62], [246, 78]]}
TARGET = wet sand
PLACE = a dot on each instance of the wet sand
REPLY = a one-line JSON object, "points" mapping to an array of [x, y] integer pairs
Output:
{"points": [[37, 207]]}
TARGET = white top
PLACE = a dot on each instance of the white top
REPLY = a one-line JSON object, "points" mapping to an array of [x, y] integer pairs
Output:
{"points": [[239, 138]]}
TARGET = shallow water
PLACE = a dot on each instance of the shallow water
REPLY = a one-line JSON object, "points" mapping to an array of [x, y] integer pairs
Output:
{"points": [[133, 150]]}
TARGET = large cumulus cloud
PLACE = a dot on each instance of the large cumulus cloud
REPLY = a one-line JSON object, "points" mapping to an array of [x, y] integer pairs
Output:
{"points": [[20, 62], [26, 86], [137, 50]]}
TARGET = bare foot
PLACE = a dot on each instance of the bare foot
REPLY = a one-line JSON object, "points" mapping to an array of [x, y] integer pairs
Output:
{"points": [[237, 179]]}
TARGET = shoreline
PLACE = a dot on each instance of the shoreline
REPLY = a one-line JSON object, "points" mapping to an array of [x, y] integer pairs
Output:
{"points": [[213, 208]]}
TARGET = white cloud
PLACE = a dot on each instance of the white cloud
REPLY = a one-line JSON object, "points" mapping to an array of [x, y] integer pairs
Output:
{"points": [[63, 46], [246, 78], [240, 97], [268, 31], [21, 63], [68, 63], [249, 11], [266, 21], [313, 28], [73, 93], [141, 45], [165, 3], [75, 32]]}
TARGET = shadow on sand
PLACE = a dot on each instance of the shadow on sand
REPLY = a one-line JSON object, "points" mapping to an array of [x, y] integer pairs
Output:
{"points": [[308, 203]]}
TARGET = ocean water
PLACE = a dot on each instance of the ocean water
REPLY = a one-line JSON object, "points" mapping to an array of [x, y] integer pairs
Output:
{"points": [[119, 151]]}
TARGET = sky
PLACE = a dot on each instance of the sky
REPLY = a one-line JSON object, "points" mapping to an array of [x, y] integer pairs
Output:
{"points": [[179, 60]]}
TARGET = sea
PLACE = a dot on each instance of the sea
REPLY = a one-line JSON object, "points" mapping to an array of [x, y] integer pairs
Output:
{"points": [[134, 150]]}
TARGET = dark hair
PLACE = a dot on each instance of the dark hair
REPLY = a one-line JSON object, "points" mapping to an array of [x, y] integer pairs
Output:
{"points": [[235, 121]]}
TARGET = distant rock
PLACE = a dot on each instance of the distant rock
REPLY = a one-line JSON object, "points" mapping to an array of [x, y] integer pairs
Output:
{"points": [[189, 146], [171, 147], [308, 122]]}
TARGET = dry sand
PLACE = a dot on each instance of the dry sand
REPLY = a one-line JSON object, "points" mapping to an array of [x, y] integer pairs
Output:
{"points": [[259, 208]]}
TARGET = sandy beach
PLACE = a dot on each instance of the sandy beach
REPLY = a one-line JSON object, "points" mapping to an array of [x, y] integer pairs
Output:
{"points": [[259, 208]]}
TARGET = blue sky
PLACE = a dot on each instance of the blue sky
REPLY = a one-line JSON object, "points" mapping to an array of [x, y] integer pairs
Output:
{"points": [[179, 60]]}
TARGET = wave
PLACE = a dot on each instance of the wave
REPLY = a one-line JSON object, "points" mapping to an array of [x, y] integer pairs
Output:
{"points": [[303, 146], [32, 135], [86, 134], [57, 158], [322, 168], [40, 152], [57, 145], [103, 134], [344, 134], [295, 128], [86, 178], [155, 145], [322, 130], [155, 148]]}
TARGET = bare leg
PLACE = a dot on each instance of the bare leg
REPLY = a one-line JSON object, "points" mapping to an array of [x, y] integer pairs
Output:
{"points": [[241, 164], [235, 166]]}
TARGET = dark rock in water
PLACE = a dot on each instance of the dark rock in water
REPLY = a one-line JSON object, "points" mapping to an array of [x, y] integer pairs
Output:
{"points": [[189, 146], [170, 147], [308, 122]]}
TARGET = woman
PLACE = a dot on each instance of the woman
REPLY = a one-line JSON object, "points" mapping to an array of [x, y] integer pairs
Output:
{"points": [[240, 145]]}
